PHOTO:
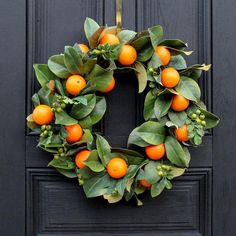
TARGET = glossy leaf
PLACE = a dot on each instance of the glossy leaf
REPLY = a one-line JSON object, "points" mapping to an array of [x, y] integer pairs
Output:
{"points": [[103, 149], [175, 152], [151, 173], [141, 75], [177, 62], [157, 188], [156, 34], [57, 66], [63, 118], [149, 102], [80, 111], [43, 74], [178, 118], [73, 60], [126, 35], [67, 173], [189, 89], [62, 163], [100, 77], [96, 115], [161, 106], [90, 27]]}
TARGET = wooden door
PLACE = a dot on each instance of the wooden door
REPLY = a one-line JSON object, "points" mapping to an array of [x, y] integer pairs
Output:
{"points": [[35, 200]]}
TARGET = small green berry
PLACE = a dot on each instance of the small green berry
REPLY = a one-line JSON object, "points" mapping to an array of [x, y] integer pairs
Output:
{"points": [[56, 156], [59, 109], [198, 121], [160, 173], [198, 112], [203, 123], [63, 105], [151, 70], [202, 116], [193, 116], [49, 127], [45, 132], [62, 154], [61, 150], [159, 168], [43, 127]]}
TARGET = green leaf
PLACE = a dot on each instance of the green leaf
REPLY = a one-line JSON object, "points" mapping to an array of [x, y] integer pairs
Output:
{"points": [[189, 89], [176, 172], [57, 66], [43, 74], [112, 198], [177, 62], [161, 106], [150, 132], [173, 43], [175, 152], [73, 60], [35, 100], [156, 34], [45, 96], [157, 188], [155, 61], [178, 118], [62, 163], [141, 76], [211, 119], [100, 77], [80, 111], [148, 111], [90, 27], [98, 185], [126, 35], [63, 118], [95, 166], [150, 172], [59, 87], [103, 149], [67, 173], [96, 115]]}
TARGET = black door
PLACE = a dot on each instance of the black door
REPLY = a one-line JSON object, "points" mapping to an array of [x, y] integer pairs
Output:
{"points": [[35, 200]]}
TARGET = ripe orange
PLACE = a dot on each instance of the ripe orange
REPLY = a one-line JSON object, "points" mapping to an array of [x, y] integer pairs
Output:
{"points": [[181, 134], [164, 54], [74, 133], [155, 152], [179, 103], [74, 84], [128, 55], [43, 115], [170, 77], [81, 157], [145, 183], [117, 168], [109, 39], [110, 86], [83, 47]]}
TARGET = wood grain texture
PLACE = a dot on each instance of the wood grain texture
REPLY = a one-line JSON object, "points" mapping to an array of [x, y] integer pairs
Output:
{"points": [[12, 125], [224, 148], [58, 205]]}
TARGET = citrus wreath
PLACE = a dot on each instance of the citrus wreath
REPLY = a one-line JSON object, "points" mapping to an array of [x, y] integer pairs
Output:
{"points": [[70, 102]]}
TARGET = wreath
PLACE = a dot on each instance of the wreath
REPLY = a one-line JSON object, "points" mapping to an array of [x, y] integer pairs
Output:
{"points": [[70, 102]]}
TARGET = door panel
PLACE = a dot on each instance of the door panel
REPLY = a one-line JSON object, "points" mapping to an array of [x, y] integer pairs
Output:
{"points": [[42, 202]]}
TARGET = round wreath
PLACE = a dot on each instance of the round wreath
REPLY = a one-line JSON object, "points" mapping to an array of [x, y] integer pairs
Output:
{"points": [[67, 107]]}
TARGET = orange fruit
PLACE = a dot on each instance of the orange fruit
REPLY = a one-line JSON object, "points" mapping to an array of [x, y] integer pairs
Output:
{"points": [[81, 157], [74, 133], [164, 54], [117, 168], [110, 86], [83, 47], [145, 183], [43, 115], [74, 84], [155, 152], [181, 133], [170, 77], [179, 103], [109, 39], [128, 55]]}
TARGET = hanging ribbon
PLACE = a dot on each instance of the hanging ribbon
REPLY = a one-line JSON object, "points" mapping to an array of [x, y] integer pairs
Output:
{"points": [[119, 13]]}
